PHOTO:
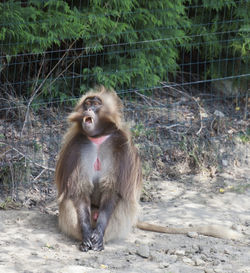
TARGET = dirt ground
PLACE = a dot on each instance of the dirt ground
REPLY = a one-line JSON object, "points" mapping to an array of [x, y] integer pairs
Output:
{"points": [[31, 242]]}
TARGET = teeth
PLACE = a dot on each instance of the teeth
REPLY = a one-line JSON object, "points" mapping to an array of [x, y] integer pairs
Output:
{"points": [[88, 120]]}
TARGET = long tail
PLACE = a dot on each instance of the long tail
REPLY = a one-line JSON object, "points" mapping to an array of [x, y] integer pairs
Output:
{"points": [[209, 230]]}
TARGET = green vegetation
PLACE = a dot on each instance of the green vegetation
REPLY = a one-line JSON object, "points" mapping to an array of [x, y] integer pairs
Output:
{"points": [[245, 136], [122, 44]]}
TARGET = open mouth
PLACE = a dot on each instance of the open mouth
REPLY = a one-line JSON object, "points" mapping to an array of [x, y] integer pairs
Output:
{"points": [[88, 120]]}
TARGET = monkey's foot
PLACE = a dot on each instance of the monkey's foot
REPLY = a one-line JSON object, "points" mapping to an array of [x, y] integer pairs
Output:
{"points": [[86, 245], [97, 240]]}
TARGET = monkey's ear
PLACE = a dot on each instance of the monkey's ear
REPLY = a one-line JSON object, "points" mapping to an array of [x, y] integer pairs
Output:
{"points": [[75, 117]]}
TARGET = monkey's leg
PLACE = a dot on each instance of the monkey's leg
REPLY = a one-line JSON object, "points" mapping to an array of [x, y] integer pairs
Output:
{"points": [[85, 225], [107, 207]]}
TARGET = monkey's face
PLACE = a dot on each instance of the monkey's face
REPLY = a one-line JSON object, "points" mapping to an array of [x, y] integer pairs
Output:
{"points": [[98, 114], [91, 108], [95, 121]]}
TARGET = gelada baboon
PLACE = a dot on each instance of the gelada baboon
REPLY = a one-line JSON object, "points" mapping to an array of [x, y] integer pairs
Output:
{"points": [[98, 176], [98, 173]]}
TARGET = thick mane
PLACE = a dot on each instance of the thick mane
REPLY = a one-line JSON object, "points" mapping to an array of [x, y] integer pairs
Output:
{"points": [[110, 101]]}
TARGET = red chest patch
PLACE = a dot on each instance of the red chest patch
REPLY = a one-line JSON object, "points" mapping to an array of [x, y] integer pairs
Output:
{"points": [[98, 141], [97, 165]]}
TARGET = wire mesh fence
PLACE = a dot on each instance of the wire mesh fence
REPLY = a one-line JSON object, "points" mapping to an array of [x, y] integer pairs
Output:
{"points": [[182, 70]]}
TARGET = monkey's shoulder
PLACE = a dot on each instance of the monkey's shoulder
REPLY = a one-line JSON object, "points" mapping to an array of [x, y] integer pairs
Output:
{"points": [[120, 139]]}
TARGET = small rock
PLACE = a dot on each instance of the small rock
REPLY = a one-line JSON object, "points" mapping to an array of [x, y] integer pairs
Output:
{"points": [[200, 248], [22, 196], [247, 223], [224, 162], [158, 257], [180, 252], [226, 252], [171, 251], [213, 250], [171, 259], [192, 234], [164, 265], [187, 260], [195, 248], [198, 262], [190, 251], [205, 258], [137, 242], [143, 251], [236, 227], [208, 270]]}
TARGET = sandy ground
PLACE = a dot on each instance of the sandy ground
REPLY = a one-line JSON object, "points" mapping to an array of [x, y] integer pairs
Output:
{"points": [[31, 242]]}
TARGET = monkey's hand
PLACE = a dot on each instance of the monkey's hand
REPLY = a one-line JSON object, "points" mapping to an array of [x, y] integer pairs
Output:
{"points": [[86, 244], [97, 239]]}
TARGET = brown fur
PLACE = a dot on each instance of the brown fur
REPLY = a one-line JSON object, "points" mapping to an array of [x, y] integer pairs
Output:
{"points": [[209, 230], [123, 176]]}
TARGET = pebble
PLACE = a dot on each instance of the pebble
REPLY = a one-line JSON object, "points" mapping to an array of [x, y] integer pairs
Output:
{"points": [[137, 242], [164, 265], [180, 252], [187, 260], [192, 234], [247, 223], [198, 262], [236, 227], [195, 248], [143, 251], [158, 257], [166, 251], [22, 196], [208, 270], [171, 251], [171, 258], [205, 258], [201, 248], [213, 250], [224, 162]]}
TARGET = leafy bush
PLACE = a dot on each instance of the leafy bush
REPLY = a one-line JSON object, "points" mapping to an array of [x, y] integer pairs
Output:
{"points": [[122, 44], [221, 36]]}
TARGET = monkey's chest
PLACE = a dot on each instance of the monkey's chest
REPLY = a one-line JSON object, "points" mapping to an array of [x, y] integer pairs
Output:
{"points": [[97, 163], [101, 168], [101, 175]]}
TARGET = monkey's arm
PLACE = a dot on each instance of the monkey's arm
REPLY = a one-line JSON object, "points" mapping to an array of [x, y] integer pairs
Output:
{"points": [[108, 204], [83, 210]]}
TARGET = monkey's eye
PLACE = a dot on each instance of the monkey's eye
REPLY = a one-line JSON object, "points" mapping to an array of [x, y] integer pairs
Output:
{"points": [[96, 103], [87, 103]]}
